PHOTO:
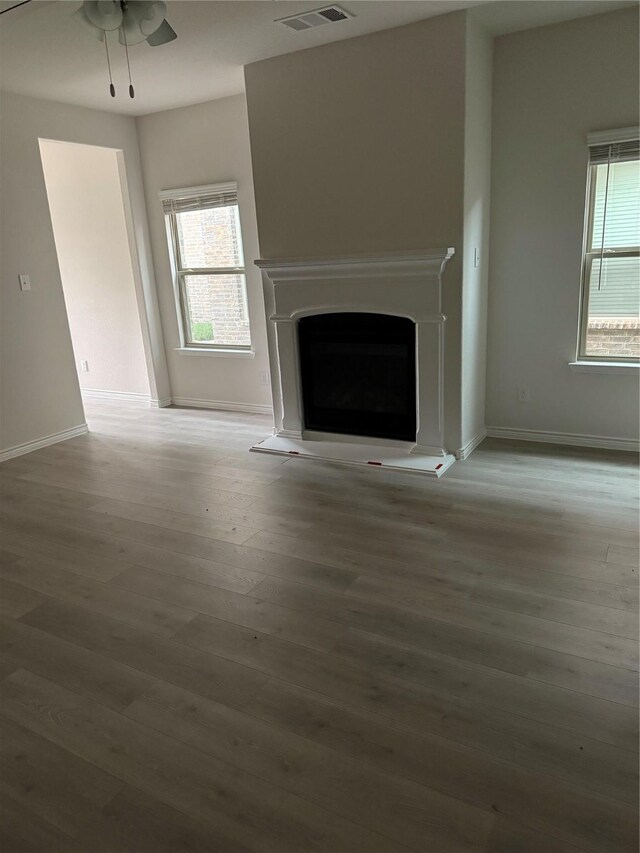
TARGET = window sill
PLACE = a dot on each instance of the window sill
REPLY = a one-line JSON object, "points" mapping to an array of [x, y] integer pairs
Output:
{"points": [[218, 353], [621, 367]]}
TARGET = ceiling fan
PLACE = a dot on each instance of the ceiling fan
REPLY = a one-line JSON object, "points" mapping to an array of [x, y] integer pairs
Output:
{"points": [[134, 20]]}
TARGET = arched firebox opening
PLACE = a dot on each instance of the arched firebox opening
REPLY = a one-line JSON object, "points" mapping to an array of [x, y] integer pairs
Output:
{"points": [[358, 374]]}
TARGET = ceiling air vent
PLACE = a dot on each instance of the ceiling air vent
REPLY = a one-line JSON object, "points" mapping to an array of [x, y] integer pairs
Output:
{"points": [[315, 18]]}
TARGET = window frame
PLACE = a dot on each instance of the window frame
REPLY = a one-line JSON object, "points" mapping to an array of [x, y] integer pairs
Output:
{"points": [[179, 273], [588, 254]]}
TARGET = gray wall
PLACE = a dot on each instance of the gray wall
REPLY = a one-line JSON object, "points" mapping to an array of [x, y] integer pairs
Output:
{"points": [[205, 144], [358, 147], [40, 395], [552, 86]]}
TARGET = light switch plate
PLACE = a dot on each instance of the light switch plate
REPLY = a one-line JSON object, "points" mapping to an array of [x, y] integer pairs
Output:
{"points": [[25, 282]]}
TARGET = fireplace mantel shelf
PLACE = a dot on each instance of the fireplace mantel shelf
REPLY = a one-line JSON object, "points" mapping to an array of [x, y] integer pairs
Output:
{"points": [[396, 264]]}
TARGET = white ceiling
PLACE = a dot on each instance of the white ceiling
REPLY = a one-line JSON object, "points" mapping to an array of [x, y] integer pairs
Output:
{"points": [[44, 53]]}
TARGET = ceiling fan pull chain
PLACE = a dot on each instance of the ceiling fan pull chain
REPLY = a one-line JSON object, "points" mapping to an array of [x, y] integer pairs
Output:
{"points": [[132, 92], [112, 88]]}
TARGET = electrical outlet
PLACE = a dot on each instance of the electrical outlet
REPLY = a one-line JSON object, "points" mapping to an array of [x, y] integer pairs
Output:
{"points": [[25, 282], [264, 377], [523, 394], [84, 365]]}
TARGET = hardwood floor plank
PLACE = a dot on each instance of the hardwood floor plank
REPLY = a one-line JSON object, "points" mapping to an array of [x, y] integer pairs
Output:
{"points": [[140, 610], [209, 675], [250, 612], [446, 566], [510, 837], [208, 526], [599, 531], [207, 514], [112, 683], [16, 600], [596, 617], [117, 539], [409, 813], [22, 831], [6, 557], [623, 556], [77, 481], [532, 630], [135, 822], [14, 490], [49, 781], [421, 518], [506, 654], [25, 540], [80, 556], [408, 703], [221, 558], [458, 534], [101, 522], [480, 768], [152, 477]]}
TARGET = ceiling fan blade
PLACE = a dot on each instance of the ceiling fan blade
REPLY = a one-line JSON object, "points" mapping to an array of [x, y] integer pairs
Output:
{"points": [[162, 35]]}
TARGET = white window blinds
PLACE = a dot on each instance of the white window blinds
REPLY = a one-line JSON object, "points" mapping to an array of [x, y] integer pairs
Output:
{"points": [[611, 270], [199, 198], [616, 205], [614, 152]]}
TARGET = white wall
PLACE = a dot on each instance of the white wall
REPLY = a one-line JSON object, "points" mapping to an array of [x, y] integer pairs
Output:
{"points": [[40, 394], [205, 144], [552, 85], [477, 188], [87, 214]]}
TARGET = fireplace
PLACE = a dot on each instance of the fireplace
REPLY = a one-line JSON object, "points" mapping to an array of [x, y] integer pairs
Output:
{"points": [[358, 374], [356, 349]]}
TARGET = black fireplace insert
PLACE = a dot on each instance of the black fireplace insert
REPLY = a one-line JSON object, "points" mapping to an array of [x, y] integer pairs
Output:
{"points": [[358, 374]]}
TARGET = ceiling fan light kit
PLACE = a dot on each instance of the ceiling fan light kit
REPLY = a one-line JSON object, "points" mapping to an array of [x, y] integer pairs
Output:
{"points": [[104, 14], [134, 20]]}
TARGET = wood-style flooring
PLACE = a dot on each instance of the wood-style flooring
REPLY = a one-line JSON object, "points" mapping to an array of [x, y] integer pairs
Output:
{"points": [[206, 650]]}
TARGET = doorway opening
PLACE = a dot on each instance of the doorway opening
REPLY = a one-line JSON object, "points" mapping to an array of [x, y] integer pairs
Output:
{"points": [[86, 190]]}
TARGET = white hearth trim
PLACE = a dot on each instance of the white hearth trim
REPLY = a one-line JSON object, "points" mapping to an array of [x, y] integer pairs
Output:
{"points": [[401, 284], [355, 453]]}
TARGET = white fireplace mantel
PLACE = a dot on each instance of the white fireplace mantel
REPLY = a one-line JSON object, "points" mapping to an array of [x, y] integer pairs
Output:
{"points": [[407, 284]]}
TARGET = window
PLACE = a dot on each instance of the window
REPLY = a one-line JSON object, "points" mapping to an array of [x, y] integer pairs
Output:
{"points": [[203, 227], [609, 324]]}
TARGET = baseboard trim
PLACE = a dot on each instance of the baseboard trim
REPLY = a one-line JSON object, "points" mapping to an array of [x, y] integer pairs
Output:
{"points": [[571, 438], [160, 404], [222, 405], [466, 451], [97, 394], [30, 446]]}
